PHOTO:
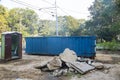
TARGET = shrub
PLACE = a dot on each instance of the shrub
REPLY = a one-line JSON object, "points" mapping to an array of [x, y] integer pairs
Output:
{"points": [[113, 45]]}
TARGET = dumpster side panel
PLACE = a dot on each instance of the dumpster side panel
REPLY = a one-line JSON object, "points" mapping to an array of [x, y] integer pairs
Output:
{"points": [[54, 45], [83, 46], [29, 45]]}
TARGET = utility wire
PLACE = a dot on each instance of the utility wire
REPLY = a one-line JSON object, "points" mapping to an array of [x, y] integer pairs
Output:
{"points": [[25, 4], [63, 11], [48, 2], [73, 11], [31, 6], [43, 10]]}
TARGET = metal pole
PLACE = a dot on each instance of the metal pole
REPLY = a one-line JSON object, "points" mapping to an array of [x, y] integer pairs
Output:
{"points": [[56, 19]]}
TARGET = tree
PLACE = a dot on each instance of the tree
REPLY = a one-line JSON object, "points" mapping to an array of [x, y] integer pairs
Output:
{"points": [[23, 20], [3, 19], [104, 19], [80, 30], [68, 25], [46, 28]]}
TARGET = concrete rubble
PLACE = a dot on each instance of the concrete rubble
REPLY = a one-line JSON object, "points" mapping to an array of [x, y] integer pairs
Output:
{"points": [[60, 72], [68, 55], [81, 67], [69, 62], [56, 63]]}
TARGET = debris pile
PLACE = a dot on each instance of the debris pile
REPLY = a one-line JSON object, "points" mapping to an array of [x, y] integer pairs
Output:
{"points": [[69, 62]]}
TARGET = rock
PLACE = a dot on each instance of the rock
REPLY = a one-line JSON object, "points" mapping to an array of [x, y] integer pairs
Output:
{"points": [[60, 72], [79, 58], [75, 72], [56, 63], [68, 55], [64, 71], [97, 65], [90, 61], [87, 60], [71, 70], [55, 73]]}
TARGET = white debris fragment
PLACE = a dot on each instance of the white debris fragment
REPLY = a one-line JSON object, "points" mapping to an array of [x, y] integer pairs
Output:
{"points": [[68, 55], [54, 64]]}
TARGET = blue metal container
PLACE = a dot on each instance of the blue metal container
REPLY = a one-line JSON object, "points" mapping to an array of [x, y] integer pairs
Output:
{"points": [[83, 46]]}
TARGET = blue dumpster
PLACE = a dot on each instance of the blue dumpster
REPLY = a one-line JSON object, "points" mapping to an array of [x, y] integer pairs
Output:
{"points": [[84, 46]]}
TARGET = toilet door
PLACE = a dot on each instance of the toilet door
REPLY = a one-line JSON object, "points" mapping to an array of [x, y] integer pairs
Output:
{"points": [[7, 47], [20, 46]]}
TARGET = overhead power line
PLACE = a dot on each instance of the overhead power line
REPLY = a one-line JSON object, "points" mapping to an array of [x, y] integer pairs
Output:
{"points": [[68, 11], [73, 11], [37, 8], [25, 4], [48, 2], [34, 7], [63, 11], [30, 6]]}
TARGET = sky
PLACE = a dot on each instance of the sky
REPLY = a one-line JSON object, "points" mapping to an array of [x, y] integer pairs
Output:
{"points": [[46, 8]]}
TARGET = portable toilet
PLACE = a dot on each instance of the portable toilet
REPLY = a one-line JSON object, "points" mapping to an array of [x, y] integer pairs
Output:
{"points": [[11, 46]]}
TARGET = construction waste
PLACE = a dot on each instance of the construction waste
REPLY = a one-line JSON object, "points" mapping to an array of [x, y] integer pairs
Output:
{"points": [[69, 62]]}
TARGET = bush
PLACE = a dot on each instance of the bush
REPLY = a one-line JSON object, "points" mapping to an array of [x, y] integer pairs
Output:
{"points": [[113, 45]]}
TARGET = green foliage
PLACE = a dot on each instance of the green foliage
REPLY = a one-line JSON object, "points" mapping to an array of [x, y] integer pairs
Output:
{"points": [[104, 22], [69, 26], [73, 24], [3, 19], [105, 19], [46, 28], [113, 45], [28, 23], [23, 20]]}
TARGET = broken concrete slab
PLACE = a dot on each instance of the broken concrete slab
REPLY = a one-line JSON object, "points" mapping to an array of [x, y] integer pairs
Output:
{"points": [[68, 55], [81, 67], [56, 63], [98, 65]]}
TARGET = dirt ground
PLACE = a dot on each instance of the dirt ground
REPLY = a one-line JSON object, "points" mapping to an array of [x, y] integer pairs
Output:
{"points": [[23, 69]]}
